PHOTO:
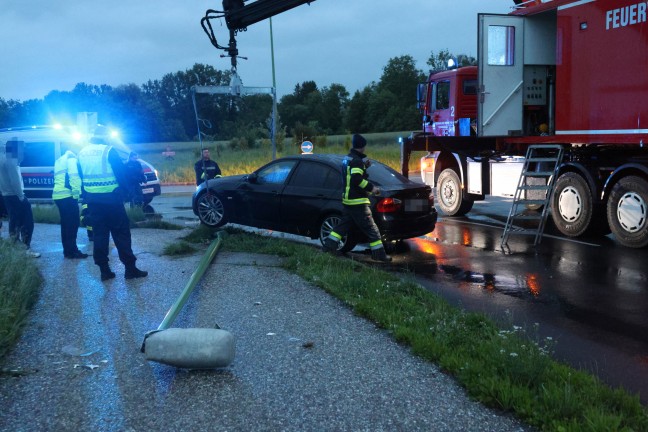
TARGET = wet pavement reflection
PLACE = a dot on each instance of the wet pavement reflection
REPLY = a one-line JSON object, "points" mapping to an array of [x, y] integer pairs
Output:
{"points": [[590, 294]]}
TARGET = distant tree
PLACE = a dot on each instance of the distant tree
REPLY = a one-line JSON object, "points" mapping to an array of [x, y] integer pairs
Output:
{"points": [[333, 106], [440, 61], [392, 106], [173, 93], [297, 107], [355, 120]]}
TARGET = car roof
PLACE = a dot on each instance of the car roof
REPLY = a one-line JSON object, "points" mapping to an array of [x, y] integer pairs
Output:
{"points": [[331, 158]]}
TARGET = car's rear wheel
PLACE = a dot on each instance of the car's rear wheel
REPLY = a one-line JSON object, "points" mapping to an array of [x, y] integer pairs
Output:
{"points": [[327, 225], [211, 210]]}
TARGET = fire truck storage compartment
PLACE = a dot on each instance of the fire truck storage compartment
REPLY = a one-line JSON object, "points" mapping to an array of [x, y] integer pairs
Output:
{"points": [[505, 175]]}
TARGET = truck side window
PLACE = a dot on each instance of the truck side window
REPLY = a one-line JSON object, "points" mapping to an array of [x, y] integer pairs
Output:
{"points": [[501, 45], [38, 154], [470, 87], [443, 95]]}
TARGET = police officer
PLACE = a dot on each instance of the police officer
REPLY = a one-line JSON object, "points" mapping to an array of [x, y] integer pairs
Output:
{"points": [[67, 188], [355, 199], [104, 180], [206, 168]]}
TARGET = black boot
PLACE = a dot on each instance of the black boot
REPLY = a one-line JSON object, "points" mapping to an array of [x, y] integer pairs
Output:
{"points": [[330, 245], [133, 272], [380, 255], [106, 273]]}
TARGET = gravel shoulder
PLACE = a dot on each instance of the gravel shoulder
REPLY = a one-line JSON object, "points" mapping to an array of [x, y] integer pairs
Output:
{"points": [[304, 361]]}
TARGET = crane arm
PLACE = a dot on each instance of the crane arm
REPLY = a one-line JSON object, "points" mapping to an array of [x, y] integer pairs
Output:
{"points": [[239, 16]]}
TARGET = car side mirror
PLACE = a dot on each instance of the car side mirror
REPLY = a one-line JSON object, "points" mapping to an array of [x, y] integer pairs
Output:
{"points": [[252, 178]]}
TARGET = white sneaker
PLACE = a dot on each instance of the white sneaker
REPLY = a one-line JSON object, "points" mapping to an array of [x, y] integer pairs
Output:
{"points": [[31, 253]]}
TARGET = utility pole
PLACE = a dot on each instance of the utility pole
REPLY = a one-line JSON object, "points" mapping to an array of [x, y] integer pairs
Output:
{"points": [[273, 130]]}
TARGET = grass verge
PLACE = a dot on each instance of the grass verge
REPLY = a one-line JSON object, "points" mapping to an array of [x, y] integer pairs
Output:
{"points": [[20, 282], [502, 368]]}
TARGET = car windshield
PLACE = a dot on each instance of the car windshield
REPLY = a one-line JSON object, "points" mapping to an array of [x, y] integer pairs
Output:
{"points": [[383, 175]]}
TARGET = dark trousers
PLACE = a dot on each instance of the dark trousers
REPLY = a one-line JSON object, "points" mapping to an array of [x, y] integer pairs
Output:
{"points": [[107, 220], [69, 211], [359, 216], [21, 219]]}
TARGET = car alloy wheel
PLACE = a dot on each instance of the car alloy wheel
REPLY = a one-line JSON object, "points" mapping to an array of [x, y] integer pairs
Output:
{"points": [[211, 210]]}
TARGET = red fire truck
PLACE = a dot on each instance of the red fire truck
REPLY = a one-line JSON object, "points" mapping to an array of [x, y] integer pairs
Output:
{"points": [[567, 72]]}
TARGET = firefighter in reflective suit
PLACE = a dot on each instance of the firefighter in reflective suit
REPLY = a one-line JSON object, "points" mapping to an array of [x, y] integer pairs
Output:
{"points": [[356, 203], [104, 180]]}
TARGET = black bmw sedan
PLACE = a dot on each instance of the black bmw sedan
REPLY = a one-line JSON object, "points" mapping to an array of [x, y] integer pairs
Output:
{"points": [[303, 195]]}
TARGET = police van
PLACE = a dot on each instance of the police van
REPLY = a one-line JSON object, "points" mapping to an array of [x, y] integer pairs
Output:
{"points": [[44, 144]]}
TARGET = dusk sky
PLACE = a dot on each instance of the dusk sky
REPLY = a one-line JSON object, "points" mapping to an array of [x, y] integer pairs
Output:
{"points": [[53, 45]]}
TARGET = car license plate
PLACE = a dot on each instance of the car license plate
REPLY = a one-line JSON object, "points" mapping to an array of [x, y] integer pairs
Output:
{"points": [[147, 190], [416, 205]]}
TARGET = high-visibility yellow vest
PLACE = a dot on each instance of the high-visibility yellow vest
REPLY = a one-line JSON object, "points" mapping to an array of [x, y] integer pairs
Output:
{"points": [[98, 175], [67, 182]]}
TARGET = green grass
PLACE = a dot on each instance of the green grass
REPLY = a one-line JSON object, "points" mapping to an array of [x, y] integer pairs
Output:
{"points": [[49, 214], [382, 146], [20, 282], [509, 369]]}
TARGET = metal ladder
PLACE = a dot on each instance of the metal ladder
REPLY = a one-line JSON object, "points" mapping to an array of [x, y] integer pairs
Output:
{"points": [[541, 162]]}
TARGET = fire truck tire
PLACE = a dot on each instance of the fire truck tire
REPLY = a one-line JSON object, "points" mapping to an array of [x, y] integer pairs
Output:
{"points": [[571, 205], [627, 212], [450, 196]]}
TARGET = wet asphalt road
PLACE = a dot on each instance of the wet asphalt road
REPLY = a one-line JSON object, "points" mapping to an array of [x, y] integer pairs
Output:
{"points": [[590, 295]]}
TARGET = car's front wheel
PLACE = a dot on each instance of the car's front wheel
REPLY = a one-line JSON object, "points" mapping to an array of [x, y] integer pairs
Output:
{"points": [[327, 225], [211, 210]]}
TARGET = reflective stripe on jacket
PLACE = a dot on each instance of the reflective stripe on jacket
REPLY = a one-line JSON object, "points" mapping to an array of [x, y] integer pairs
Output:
{"points": [[356, 185], [98, 175], [67, 182]]}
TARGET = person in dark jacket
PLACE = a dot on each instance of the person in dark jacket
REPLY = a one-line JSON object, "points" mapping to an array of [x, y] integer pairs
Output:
{"points": [[103, 176], [206, 168], [355, 199], [135, 175]]}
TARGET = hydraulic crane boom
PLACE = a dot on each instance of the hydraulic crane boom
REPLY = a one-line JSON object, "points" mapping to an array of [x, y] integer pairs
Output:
{"points": [[239, 16]]}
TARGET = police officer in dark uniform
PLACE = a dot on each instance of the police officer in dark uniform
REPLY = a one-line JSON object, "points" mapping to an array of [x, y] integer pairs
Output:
{"points": [[104, 182], [206, 168], [355, 199]]}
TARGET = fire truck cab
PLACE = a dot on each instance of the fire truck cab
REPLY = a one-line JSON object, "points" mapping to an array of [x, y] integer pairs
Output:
{"points": [[561, 72]]}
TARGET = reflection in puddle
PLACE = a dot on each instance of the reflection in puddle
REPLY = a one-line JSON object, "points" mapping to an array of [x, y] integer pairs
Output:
{"points": [[524, 285], [518, 286]]}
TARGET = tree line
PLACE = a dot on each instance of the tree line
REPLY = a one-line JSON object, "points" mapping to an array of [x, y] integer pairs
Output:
{"points": [[162, 110]]}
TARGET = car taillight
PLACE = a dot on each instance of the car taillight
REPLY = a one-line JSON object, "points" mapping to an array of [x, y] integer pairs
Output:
{"points": [[388, 205]]}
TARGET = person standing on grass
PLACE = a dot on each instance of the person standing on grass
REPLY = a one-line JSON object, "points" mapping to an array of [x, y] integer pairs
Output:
{"points": [[66, 192], [206, 168], [21, 218]]}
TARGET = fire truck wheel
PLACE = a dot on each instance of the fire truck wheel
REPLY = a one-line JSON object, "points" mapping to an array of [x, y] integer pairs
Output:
{"points": [[627, 212], [571, 205], [450, 195]]}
